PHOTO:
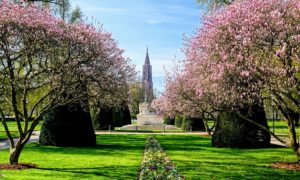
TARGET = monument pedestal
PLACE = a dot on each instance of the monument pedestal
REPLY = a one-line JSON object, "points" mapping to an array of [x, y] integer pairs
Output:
{"points": [[148, 121], [145, 117]]}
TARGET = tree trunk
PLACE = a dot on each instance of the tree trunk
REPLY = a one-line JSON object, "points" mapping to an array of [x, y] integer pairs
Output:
{"points": [[291, 118], [15, 154], [296, 148], [207, 129], [298, 155], [293, 138], [16, 150]]}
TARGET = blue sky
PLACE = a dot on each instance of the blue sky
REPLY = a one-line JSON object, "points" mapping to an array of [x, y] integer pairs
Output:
{"points": [[136, 24]]}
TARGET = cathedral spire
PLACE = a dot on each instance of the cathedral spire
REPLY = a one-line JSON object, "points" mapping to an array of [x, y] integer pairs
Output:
{"points": [[147, 79], [147, 59]]}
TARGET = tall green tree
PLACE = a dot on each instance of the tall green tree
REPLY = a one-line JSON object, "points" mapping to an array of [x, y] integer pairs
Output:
{"points": [[214, 4], [136, 97], [76, 15]]}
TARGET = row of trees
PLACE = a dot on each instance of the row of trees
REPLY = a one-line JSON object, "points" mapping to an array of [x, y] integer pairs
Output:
{"points": [[243, 54], [46, 63]]}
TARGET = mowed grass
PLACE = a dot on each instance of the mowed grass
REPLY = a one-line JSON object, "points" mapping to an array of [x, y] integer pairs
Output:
{"points": [[114, 157], [118, 156], [197, 159], [14, 129], [281, 127]]}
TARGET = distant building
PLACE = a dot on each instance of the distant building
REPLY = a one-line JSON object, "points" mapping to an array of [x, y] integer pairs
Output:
{"points": [[147, 79]]}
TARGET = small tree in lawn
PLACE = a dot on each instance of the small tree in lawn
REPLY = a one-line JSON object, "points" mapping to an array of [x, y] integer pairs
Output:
{"points": [[40, 53]]}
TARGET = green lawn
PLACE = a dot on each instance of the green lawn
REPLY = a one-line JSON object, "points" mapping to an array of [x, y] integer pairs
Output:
{"points": [[118, 156], [196, 159], [280, 127], [114, 157], [13, 128]]}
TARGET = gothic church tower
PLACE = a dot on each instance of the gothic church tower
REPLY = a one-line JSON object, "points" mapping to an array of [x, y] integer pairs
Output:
{"points": [[147, 79]]}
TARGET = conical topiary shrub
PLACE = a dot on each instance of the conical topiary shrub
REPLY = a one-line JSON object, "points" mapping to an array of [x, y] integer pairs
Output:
{"points": [[104, 119], [118, 117], [68, 126], [113, 117], [232, 131], [178, 120], [185, 124], [168, 120], [126, 115], [197, 124]]}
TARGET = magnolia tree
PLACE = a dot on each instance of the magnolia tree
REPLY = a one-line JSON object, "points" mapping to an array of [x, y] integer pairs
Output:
{"points": [[44, 57], [244, 53], [248, 51], [180, 97]]}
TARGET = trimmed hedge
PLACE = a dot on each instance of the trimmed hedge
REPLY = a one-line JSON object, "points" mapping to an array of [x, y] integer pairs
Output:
{"points": [[232, 131], [197, 124], [103, 119], [185, 124], [68, 126], [156, 164], [168, 120], [178, 120], [115, 117], [126, 115]]}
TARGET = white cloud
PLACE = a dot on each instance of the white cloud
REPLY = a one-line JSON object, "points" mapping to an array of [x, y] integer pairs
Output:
{"points": [[106, 10]]}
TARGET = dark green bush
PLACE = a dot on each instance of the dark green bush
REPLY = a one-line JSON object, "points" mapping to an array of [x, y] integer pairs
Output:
{"points": [[133, 116], [118, 117], [197, 124], [115, 117], [232, 131], [68, 126], [126, 116], [168, 120], [178, 120], [185, 124], [103, 119]]}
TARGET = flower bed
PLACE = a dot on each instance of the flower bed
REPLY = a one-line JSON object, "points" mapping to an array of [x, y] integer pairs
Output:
{"points": [[156, 164]]}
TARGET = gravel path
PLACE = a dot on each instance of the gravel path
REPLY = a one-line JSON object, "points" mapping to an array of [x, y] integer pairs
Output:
{"points": [[34, 138]]}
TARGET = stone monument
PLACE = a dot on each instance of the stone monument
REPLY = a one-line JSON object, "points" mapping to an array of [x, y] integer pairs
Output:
{"points": [[146, 117]]}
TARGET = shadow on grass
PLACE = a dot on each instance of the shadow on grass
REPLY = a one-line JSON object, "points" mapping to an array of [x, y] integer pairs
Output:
{"points": [[106, 171], [114, 157], [197, 159], [114, 145], [210, 169]]}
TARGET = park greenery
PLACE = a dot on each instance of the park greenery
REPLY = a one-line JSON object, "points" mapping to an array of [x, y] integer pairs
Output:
{"points": [[57, 69], [47, 62], [114, 158], [244, 54]]}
